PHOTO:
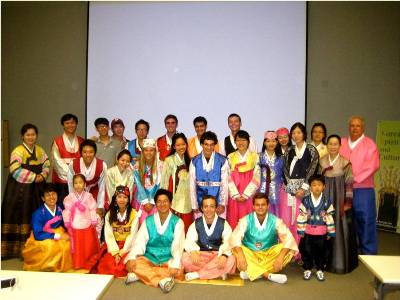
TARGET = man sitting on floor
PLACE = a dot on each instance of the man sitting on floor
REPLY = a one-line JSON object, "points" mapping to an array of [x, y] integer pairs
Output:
{"points": [[262, 243], [208, 253], [155, 257]]}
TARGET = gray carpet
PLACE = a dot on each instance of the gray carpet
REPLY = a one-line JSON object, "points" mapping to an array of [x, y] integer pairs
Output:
{"points": [[353, 286]]}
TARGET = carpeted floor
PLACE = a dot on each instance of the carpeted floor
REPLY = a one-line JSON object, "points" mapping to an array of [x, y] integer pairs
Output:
{"points": [[353, 286]]}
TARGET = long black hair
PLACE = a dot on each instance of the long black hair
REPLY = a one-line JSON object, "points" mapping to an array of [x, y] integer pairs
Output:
{"points": [[114, 209], [175, 137]]}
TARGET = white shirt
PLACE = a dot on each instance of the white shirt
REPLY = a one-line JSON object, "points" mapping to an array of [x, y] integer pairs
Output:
{"points": [[140, 242]]}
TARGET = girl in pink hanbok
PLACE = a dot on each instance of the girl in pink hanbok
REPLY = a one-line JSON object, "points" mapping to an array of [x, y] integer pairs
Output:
{"points": [[244, 179]]}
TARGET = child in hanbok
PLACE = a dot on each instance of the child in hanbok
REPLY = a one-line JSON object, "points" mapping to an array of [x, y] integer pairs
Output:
{"points": [[120, 174], [271, 169], [120, 228], [48, 247], [315, 226], [80, 219]]}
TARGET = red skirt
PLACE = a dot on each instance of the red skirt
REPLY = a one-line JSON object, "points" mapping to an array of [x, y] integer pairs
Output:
{"points": [[107, 264], [86, 247]]}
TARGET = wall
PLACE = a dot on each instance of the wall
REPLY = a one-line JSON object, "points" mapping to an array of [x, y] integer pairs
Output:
{"points": [[43, 66], [353, 63]]}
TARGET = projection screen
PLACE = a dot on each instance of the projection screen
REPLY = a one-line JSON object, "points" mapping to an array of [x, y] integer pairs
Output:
{"points": [[147, 60]]}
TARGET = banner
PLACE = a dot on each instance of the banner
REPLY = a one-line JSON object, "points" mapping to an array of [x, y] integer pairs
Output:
{"points": [[387, 179]]}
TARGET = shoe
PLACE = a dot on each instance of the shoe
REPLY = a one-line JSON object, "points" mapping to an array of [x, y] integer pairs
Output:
{"points": [[132, 277], [277, 278], [307, 275], [320, 275], [244, 275], [167, 284], [224, 276], [191, 276]]}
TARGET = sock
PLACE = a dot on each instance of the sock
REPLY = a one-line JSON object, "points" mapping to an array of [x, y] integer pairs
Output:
{"points": [[278, 278], [131, 277], [191, 276], [244, 275]]}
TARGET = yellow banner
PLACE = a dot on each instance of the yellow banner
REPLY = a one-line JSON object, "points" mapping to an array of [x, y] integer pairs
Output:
{"points": [[387, 179]]}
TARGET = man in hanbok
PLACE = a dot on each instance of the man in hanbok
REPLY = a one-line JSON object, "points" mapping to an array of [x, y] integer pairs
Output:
{"points": [[155, 257], [209, 173], [64, 149], [134, 146], [164, 142], [94, 170], [228, 145], [364, 157], [208, 254], [262, 243]]}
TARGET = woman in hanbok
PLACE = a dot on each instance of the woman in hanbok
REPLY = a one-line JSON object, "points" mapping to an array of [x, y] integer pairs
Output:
{"points": [[29, 168], [147, 178], [48, 247], [338, 187], [175, 178], [300, 163], [120, 174], [244, 179], [284, 141], [120, 228], [271, 170], [318, 138]]}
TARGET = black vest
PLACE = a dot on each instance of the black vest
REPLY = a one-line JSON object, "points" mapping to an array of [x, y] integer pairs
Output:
{"points": [[228, 146]]}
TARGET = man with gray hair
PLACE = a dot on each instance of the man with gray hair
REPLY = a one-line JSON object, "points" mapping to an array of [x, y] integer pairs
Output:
{"points": [[364, 157]]}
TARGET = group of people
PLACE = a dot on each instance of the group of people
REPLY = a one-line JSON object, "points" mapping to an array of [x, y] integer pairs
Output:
{"points": [[131, 208]]}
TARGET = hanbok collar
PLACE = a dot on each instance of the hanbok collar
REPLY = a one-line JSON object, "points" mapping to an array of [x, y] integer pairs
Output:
{"points": [[161, 228], [28, 149], [208, 166], [137, 145], [168, 139], [121, 218], [300, 152], [316, 201], [332, 162], [243, 158], [71, 144], [270, 158], [232, 139], [88, 172], [352, 145], [209, 231], [320, 146], [178, 158], [257, 222], [53, 213], [199, 148]]}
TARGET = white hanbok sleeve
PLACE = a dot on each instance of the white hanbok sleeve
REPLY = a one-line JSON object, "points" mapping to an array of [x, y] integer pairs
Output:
{"points": [[238, 233], [131, 237], [191, 239], [223, 191], [139, 244], [177, 245], [112, 246], [225, 247], [192, 187]]}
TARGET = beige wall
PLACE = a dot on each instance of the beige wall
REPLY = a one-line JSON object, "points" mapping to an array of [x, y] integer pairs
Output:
{"points": [[43, 57], [353, 64], [43, 66]]}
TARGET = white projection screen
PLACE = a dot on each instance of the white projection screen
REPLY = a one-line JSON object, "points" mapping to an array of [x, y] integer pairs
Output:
{"points": [[147, 60]]}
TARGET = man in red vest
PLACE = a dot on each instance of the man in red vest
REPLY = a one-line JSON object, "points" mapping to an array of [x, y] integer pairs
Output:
{"points": [[164, 142], [64, 149], [94, 170]]}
